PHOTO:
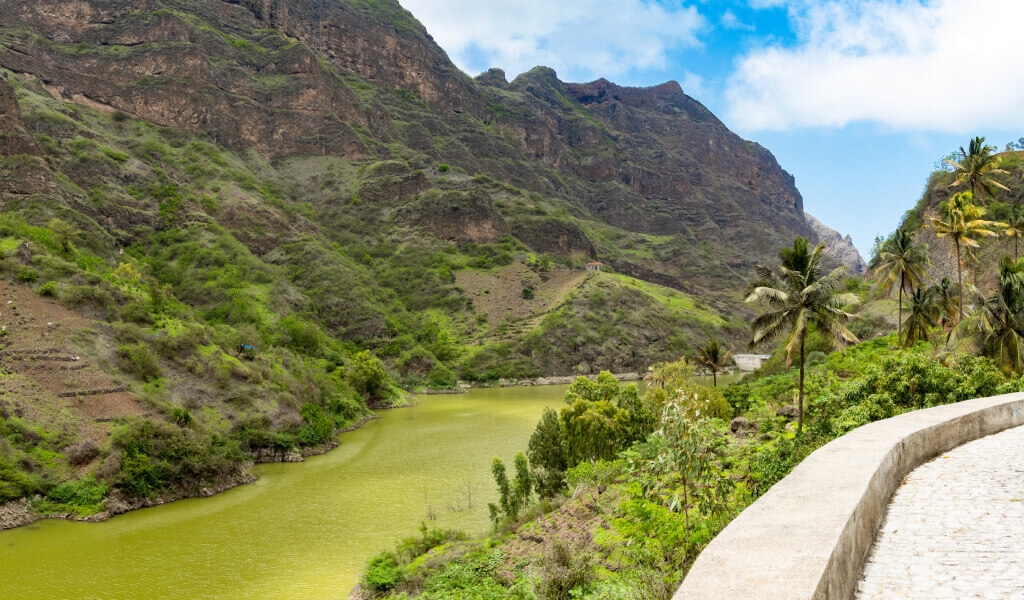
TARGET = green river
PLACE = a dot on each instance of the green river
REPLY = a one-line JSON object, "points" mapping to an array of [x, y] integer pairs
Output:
{"points": [[302, 530]]}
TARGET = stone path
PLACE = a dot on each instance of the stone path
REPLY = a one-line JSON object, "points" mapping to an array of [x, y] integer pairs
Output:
{"points": [[955, 528]]}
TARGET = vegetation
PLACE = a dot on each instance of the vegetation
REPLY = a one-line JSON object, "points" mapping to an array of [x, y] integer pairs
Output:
{"points": [[798, 298], [961, 222], [899, 257]]}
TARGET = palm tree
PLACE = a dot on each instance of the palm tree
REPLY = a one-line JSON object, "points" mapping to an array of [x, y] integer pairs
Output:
{"points": [[797, 298], [714, 358], [976, 167], [962, 224], [997, 327], [1015, 226], [947, 299], [924, 313], [900, 258]]}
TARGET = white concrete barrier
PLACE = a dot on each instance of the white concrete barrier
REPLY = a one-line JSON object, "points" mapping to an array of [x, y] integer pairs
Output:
{"points": [[808, 536]]}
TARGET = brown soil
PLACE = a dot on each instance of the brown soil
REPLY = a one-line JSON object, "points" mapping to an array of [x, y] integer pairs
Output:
{"points": [[499, 295], [572, 524], [44, 380]]}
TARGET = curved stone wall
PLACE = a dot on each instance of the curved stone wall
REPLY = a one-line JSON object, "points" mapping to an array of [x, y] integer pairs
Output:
{"points": [[807, 538]]}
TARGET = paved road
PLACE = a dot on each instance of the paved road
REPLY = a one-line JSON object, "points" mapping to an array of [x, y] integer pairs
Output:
{"points": [[955, 528]]}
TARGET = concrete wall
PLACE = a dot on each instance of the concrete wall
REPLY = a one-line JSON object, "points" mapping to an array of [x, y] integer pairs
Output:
{"points": [[809, 535], [750, 362]]}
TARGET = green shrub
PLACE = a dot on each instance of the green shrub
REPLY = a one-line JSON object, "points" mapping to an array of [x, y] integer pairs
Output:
{"points": [[48, 289], [443, 167], [441, 377], [138, 360], [27, 274], [82, 497], [383, 573]]}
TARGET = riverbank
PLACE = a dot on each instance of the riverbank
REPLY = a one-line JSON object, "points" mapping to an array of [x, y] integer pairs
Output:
{"points": [[18, 513]]}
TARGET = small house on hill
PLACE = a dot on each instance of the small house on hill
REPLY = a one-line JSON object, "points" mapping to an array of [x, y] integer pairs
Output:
{"points": [[594, 266]]}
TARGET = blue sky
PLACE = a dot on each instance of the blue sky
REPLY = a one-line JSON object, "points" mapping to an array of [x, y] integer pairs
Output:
{"points": [[856, 98]]}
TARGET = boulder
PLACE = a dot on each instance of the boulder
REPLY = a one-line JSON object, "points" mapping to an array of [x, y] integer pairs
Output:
{"points": [[739, 425], [790, 412]]}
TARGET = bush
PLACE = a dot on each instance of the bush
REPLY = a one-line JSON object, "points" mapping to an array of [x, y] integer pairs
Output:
{"points": [[138, 360], [48, 289], [82, 497], [441, 377], [27, 274], [383, 573], [82, 452]]}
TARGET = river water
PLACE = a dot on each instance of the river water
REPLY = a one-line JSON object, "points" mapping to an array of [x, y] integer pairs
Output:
{"points": [[302, 530]]}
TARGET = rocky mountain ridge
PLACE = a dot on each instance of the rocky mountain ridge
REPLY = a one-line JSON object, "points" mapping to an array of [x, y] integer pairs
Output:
{"points": [[646, 180]]}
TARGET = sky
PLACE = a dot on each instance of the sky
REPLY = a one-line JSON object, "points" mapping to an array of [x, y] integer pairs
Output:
{"points": [[857, 99]]}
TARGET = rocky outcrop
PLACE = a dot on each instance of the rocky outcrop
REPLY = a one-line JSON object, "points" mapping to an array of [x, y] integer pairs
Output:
{"points": [[365, 81], [838, 246], [13, 137], [552, 236], [458, 217]]}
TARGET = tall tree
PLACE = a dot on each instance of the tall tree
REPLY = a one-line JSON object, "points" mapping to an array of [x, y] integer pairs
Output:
{"points": [[714, 358], [798, 297], [924, 314], [900, 258], [1015, 226], [976, 168], [961, 222], [947, 299], [996, 329]]}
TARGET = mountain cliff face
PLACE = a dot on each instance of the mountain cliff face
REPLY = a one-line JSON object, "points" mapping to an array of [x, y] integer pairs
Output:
{"points": [[349, 126]]}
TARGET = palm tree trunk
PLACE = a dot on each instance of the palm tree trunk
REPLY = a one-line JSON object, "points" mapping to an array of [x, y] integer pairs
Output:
{"points": [[714, 377], [899, 323], [800, 407], [959, 279]]}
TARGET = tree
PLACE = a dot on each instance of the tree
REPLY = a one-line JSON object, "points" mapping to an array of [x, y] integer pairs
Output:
{"points": [[546, 451], [962, 224], [797, 298], [996, 329], [512, 498], [367, 375], [900, 258], [65, 232], [1015, 226], [947, 299], [602, 418], [924, 313], [714, 358], [976, 167]]}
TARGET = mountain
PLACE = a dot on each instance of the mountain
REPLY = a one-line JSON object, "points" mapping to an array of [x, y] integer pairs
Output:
{"points": [[276, 210]]}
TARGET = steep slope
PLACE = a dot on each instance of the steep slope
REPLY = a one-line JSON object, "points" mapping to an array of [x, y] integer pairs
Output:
{"points": [[646, 180]]}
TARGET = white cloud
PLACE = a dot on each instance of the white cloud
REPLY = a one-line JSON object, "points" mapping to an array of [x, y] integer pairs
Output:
{"points": [[693, 85], [729, 20], [943, 65], [580, 39]]}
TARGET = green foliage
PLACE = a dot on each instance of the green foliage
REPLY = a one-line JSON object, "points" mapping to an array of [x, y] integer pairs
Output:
{"points": [[156, 457], [27, 274], [546, 451], [367, 376], [602, 418], [564, 572], [441, 377], [81, 497], [382, 574], [48, 289], [138, 360], [512, 497]]}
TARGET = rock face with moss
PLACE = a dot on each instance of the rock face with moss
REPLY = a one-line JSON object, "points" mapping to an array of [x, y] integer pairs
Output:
{"points": [[649, 160]]}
